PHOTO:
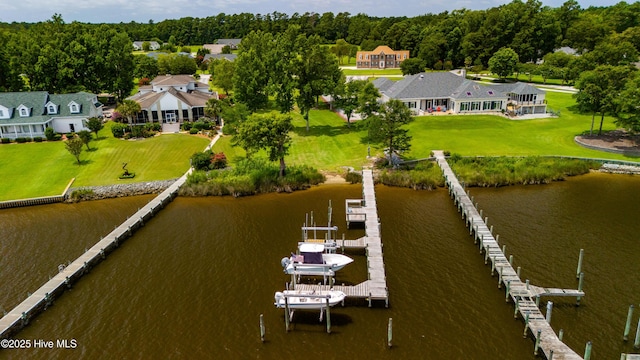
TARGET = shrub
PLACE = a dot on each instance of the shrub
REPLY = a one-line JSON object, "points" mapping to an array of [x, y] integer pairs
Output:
{"points": [[57, 137], [219, 161], [136, 131], [193, 131], [118, 130], [21, 140], [80, 194], [153, 127], [37, 139], [5, 140], [353, 177], [186, 126], [203, 125], [50, 134], [201, 160]]}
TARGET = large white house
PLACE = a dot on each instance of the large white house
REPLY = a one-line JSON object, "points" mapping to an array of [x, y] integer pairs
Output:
{"points": [[172, 99], [28, 114], [447, 92]]}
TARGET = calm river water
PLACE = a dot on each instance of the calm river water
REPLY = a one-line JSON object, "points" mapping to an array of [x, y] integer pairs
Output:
{"points": [[192, 283]]}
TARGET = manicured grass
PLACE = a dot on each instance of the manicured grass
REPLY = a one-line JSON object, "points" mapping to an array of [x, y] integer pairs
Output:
{"points": [[40, 169], [470, 135], [328, 145], [43, 169], [372, 72]]}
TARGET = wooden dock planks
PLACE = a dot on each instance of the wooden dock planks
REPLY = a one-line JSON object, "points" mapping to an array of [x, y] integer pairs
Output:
{"points": [[518, 291], [375, 288]]}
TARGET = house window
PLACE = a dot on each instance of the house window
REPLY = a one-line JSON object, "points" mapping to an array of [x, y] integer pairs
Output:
{"points": [[74, 108], [475, 106], [52, 109], [464, 106], [24, 112], [1, 113]]}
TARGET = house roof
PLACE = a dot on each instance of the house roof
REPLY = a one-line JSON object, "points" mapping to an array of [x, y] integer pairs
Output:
{"points": [[448, 85], [192, 99], [172, 80], [230, 42], [230, 57], [214, 48], [518, 88], [425, 85], [473, 90]]}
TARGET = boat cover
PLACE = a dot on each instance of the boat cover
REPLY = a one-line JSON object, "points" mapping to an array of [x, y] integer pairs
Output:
{"points": [[312, 257]]}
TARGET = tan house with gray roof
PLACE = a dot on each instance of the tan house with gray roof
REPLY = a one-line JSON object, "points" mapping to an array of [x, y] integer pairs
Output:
{"points": [[172, 99]]}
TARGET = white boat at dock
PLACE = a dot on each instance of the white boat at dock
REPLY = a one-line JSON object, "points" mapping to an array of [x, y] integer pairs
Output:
{"points": [[308, 300], [313, 261]]}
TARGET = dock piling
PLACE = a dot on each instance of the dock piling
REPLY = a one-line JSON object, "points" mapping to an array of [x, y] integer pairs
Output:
{"points": [[636, 344], [560, 334], [549, 310], [537, 346], [526, 325], [580, 282], [579, 269], [390, 333], [587, 351], [328, 317], [627, 327], [261, 328], [286, 313]]}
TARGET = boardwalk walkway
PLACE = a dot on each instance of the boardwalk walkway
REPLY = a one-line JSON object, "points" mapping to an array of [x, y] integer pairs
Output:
{"points": [[522, 294], [41, 299], [375, 288]]}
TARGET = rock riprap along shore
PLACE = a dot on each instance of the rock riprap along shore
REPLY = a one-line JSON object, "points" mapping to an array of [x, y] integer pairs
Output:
{"points": [[117, 190]]}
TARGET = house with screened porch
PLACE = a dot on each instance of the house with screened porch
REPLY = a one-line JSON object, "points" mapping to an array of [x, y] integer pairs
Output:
{"points": [[446, 92]]}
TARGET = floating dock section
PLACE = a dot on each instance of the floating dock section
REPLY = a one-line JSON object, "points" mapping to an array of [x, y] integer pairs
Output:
{"points": [[525, 296], [363, 211]]}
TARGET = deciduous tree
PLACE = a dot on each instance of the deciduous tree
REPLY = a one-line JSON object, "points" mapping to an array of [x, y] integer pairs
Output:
{"points": [[385, 128], [95, 124], [74, 147], [268, 132], [503, 63]]}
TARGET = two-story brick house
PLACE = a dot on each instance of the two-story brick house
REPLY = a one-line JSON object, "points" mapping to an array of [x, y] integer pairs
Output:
{"points": [[381, 57]]}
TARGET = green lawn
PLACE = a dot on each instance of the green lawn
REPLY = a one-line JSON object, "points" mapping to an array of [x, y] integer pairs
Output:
{"points": [[328, 145], [372, 72], [42, 169], [493, 135]]}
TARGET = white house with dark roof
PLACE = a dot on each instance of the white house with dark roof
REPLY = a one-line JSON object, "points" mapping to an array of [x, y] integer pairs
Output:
{"points": [[446, 92], [172, 99], [28, 114]]}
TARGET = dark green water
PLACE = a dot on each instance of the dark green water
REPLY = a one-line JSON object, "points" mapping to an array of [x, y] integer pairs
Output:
{"points": [[192, 283]]}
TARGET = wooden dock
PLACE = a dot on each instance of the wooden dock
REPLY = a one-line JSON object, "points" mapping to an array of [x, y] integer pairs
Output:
{"points": [[41, 299], [365, 211], [522, 294]]}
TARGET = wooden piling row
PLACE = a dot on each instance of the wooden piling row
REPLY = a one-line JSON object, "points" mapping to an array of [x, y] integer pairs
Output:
{"points": [[522, 294]]}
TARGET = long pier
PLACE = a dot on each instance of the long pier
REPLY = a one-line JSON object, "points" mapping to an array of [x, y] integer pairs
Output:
{"points": [[525, 296], [364, 211], [41, 299]]}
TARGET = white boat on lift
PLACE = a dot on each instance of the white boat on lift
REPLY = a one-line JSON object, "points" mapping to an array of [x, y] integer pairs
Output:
{"points": [[313, 261], [308, 300]]}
